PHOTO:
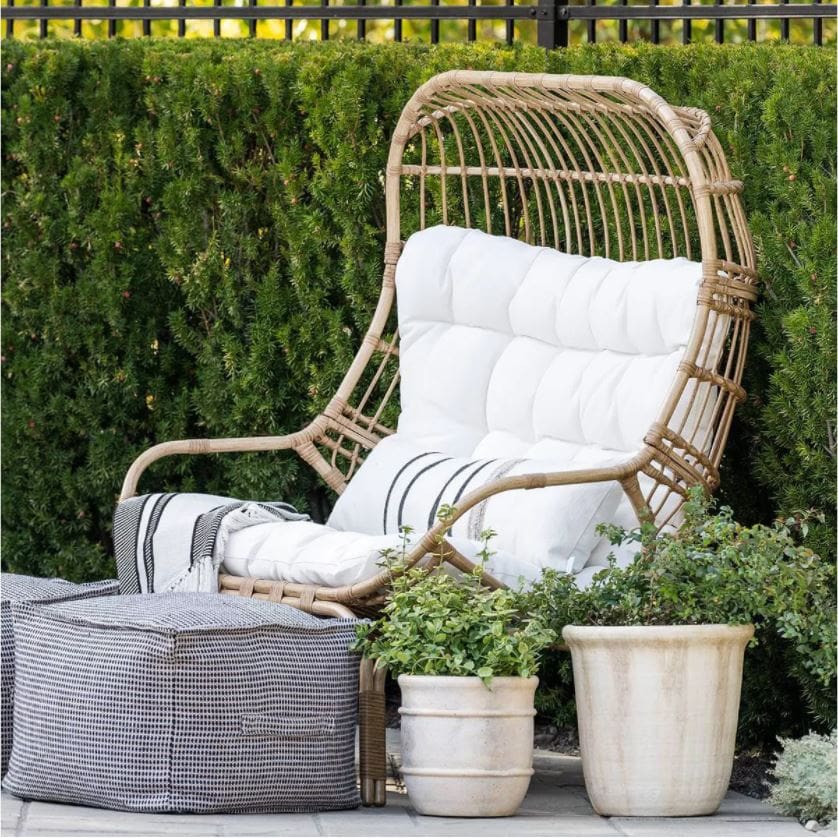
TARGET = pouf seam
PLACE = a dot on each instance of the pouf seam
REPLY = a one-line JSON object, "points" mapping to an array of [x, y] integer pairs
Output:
{"points": [[59, 598], [172, 698], [29, 607]]}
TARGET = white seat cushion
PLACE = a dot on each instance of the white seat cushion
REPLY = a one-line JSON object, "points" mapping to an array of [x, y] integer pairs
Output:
{"points": [[305, 552], [316, 554]]}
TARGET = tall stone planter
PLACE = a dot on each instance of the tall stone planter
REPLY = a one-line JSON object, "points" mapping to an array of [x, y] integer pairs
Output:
{"points": [[466, 749], [657, 710]]}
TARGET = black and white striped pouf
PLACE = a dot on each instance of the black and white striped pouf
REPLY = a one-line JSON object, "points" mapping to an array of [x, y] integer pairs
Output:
{"points": [[17, 588], [184, 702]]}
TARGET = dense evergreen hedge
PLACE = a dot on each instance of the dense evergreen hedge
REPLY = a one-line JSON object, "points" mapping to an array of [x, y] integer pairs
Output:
{"points": [[192, 246]]}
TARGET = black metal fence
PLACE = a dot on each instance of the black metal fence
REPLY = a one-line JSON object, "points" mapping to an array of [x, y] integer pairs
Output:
{"points": [[552, 18]]}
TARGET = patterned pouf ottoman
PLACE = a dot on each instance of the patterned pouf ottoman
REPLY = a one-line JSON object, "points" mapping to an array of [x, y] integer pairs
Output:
{"points": [[15, 588], [184, 703]]}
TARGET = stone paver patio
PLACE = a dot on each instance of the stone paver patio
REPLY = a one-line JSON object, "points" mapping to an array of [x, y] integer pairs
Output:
{"points": [[555, 806]]}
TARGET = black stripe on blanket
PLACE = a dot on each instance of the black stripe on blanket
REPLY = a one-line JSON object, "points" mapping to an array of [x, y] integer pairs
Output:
{"points": [[205, 531], [148, 547], [126, 525]]}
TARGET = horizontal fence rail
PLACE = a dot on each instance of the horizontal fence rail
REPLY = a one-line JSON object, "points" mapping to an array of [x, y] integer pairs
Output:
{"points": [[552, 17]]}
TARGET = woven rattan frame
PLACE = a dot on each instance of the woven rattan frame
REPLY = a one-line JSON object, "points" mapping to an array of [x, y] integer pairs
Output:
{"points": [[586, 164]]}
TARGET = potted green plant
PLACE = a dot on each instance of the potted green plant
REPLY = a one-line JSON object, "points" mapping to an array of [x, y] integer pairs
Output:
{"points": [[466, 658], [658, 648]]}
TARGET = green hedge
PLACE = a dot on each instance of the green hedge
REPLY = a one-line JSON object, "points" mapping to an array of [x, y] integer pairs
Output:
{"points": [[193, 241]]}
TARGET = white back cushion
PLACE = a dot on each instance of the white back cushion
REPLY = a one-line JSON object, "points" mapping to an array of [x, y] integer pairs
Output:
{"points": [[505, 346]]}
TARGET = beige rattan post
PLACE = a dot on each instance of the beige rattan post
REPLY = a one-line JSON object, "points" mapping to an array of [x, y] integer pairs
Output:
{"points": [[586, 164]]}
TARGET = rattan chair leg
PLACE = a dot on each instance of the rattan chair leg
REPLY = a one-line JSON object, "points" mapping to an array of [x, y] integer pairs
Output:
{"points": [[372, 744]]}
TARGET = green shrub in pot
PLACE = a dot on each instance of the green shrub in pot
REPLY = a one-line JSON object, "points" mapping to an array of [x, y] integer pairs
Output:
{"points": [[662, 641], [438, 624], [466, 658], [712, 570]]}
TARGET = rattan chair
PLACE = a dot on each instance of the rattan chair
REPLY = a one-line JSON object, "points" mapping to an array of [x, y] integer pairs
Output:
{"points": [[585, 164]]}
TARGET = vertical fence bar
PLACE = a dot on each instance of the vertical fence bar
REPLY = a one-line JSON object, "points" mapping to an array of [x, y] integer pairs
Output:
{"points": [[552, 30], [784, 24], [591, 25], [562, 24], [817, 29], [656, 26], [324, 24], [43, 23], [624, 26], [251, 24], [752, 24], [146, 23], [362, 23], [687, 28], [397, 25], [510, 27], [435, 25], [10, 24], [77, 21], [719, 26], [111, 23], [216, 24], [545, 29], [181, 23], [472, 24], [289, 24]]}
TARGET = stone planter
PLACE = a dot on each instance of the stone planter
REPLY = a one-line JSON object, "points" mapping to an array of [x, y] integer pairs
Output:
{"points": [[657, 709], [466, 749]]}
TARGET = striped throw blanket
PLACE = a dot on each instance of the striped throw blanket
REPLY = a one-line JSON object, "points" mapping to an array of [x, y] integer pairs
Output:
{"points": [[175, 542]]}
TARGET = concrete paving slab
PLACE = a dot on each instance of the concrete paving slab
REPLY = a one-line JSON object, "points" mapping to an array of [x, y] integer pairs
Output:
{"points": [[710, 827], [737, 806], [42, 818], [546, 797], [569, 814], [11, 814], [277, 826], [105, 831], [568, 769], [522, 825], [556, 805], [392, 820]]}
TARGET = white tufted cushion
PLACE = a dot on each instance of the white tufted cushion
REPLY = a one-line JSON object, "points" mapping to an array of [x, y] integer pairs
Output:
{"points": [[504, 345], [515, 352]]}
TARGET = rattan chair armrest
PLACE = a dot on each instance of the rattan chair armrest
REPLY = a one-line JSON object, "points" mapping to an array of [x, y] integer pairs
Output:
{"points": [[215, 446]]}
